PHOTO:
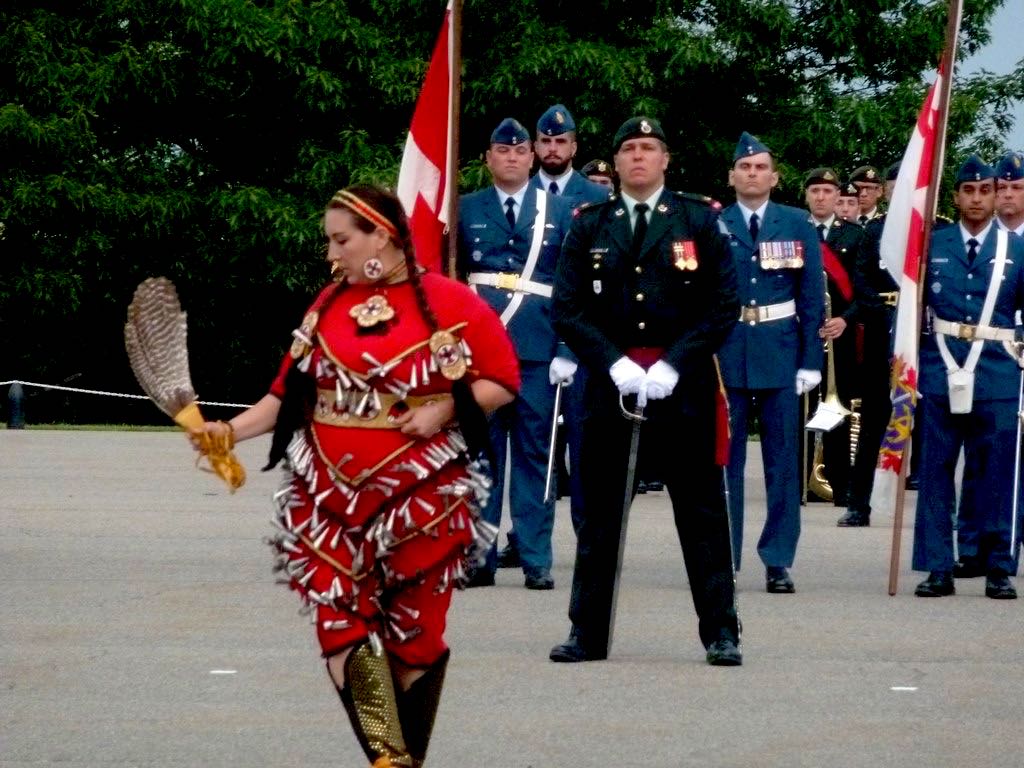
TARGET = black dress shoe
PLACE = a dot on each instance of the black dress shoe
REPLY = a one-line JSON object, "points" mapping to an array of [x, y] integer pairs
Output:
{"points": [[777, 580], [938, 584], [538, 578], [968, 568], [641, 487], [724, 653], [509, 556], [479, 577], [999, 587], [572, 651], [854, 518]]}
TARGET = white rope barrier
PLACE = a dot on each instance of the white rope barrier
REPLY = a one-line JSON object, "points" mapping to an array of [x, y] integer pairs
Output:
{"points": [[108, 394]]}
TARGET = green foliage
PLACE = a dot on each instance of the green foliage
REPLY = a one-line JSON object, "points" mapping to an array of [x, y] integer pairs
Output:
{"points": [[199, 139]]}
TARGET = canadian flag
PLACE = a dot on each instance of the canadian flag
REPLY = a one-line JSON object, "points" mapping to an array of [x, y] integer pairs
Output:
{"points": [[422, 179], [902, 248]]}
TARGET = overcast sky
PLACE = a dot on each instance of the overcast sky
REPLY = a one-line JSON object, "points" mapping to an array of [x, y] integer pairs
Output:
{"points": [[1000, 56]]}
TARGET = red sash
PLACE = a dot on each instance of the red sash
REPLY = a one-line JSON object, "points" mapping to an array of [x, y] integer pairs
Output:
{"points": [[837, 272]]}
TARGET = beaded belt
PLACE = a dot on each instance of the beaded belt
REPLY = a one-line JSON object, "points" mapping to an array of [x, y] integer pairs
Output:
{"points": [[376, 411]]}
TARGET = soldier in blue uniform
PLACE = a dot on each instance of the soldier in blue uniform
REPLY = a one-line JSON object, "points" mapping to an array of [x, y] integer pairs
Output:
{"points": [[773, 354], [969, 378], [510, 236], [1010, 192], [645, 293], [555, 146]]}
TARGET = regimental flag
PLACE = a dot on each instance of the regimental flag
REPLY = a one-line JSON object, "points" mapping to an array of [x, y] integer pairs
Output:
{"points": [[902, 249], [423, 177]]}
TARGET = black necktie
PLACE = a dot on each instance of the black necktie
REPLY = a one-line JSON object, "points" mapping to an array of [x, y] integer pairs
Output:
{"points": [[640, 228], [821, 232], [863, 220], [553, 188], [972, 250], [510, 214], [754, 228]]}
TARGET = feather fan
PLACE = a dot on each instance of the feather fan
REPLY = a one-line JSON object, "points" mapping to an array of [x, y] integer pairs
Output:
{"points": [[156, 338]]}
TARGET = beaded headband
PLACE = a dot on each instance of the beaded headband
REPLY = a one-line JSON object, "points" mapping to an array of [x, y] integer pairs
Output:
{"points": [[365, 210]]}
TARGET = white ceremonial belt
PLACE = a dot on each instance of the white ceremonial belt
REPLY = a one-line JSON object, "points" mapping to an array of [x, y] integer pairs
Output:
{"points": [[971, 332], [767, 312], [509, 281]]}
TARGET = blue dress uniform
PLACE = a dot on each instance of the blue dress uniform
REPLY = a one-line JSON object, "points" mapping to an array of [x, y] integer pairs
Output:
{"points": [[490, 251], [577, 191], [971, 562], [955, 291], [782, 297]]}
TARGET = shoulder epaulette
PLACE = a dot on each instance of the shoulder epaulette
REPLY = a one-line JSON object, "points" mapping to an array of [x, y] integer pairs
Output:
{"points": [[710, 202], [592, 205]]}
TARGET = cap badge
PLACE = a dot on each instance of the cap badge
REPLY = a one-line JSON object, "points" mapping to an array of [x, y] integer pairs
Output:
{"points": [[870, 174], [645, 127], [828, 176], [559, 118]]}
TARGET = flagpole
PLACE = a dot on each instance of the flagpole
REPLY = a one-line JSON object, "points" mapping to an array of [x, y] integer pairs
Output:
{"points": [[931, 205], [452, 178]]}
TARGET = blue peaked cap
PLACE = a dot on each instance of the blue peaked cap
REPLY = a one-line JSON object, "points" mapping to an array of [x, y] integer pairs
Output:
{"points": [[556, 121], [1010, 167], [974, 169], [510, 131], [748, 145]]}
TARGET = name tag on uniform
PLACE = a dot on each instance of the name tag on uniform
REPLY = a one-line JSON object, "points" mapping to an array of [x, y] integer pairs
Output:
{"points": [[684, 255], [478, 226], [597, 287], [781, 254]]}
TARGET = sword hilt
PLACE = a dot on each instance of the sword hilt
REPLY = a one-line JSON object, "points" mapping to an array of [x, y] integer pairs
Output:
{"points": [[637, 414]]}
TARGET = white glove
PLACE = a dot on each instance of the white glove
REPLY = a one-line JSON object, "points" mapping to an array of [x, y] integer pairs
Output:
{"points": [[629, 378], [660, 381], [561, 371], [807, 380]]}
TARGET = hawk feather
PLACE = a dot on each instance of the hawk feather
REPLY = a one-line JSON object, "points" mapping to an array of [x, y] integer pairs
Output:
{"points": [[156, 337]]}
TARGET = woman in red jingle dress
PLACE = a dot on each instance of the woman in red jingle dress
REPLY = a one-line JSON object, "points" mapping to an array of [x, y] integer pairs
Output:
{"points": [[378, 511]]}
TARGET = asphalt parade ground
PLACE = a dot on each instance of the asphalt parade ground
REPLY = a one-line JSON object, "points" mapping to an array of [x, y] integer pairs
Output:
{"points": [[141, 626]]}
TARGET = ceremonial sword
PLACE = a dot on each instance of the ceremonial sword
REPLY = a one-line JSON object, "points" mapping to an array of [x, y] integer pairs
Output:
{"points": [[638, 418], [553, 446]]}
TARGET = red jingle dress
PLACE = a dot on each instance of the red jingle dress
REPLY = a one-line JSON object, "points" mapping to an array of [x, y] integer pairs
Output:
{"points": [[374, 527]]}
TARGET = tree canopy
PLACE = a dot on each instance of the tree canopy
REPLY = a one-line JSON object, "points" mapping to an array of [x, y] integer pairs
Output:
{"points": [[200, 139]]}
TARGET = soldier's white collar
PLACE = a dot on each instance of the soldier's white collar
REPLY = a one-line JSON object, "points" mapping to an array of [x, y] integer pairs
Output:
{"points": [[980, 237], [517, 196], [1018, 230], [747, 212], [562, 181]]}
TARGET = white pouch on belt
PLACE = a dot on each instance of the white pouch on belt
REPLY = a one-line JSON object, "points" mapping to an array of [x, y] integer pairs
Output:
{"points": [[961, 390], [960, 380]]}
